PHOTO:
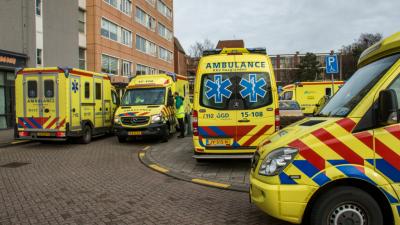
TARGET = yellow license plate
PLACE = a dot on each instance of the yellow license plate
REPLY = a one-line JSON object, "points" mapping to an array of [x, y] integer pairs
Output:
{"points": [[219, 142], [135, 133], [44, 134]]}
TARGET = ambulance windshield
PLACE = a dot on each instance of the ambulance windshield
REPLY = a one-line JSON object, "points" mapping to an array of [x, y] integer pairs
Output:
{"points": [[236, 91], [144, 96], [363, 80]]}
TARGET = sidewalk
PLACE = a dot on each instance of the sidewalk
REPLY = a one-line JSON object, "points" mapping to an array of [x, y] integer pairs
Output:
{"points": [[175, 158], [7, 138]]}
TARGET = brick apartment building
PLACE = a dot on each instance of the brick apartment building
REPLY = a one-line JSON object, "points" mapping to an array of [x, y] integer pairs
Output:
{"points": [[180, 59], [129, 37], [117, 37]]}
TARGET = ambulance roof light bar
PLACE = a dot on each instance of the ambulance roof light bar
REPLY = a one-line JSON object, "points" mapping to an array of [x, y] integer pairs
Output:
{"points": [[234, 51]]}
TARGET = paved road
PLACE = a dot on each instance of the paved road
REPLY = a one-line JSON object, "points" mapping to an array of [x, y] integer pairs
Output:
{"points": [[104, 183]]}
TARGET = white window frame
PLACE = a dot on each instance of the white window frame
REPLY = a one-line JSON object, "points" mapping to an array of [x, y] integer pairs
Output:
{"points": [[164, 9], [80, 59], [147, 20], [150, 47], [109, 64], [164, 32], [119, 6], [40, 7], [41, 57], [126, 72], [120, 32]]}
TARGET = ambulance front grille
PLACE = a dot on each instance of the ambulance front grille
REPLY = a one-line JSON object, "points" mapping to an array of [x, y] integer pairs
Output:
{"points": [[135, 121]]}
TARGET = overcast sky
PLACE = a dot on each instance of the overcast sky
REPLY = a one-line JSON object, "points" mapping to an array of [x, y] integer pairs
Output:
{"points": [[284, 26]]}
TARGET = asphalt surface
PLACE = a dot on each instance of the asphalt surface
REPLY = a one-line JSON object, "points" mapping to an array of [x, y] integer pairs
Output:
{"points": [[105, 183]]}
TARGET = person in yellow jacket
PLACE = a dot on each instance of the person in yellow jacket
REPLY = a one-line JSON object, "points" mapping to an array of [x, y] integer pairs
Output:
{"points": [[180, 114]]}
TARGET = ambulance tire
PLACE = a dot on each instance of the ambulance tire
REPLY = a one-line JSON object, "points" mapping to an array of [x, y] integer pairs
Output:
{"points": [[87, 135], [346, 204], [121, 139], [166, 134]]}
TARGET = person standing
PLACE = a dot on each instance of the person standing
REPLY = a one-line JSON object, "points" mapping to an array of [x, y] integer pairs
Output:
{"points": [[180, 114]]}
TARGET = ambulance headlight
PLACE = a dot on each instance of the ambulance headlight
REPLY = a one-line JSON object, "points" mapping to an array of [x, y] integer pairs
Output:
{"points": [[117, 120], [277, 160], [156, 118]]}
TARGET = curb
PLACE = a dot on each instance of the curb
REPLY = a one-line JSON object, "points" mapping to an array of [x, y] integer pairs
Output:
{"points": [[14, 143], [144, 159]]}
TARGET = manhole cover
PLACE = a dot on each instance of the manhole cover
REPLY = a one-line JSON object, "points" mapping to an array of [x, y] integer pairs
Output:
{"points": [[14, 164]]}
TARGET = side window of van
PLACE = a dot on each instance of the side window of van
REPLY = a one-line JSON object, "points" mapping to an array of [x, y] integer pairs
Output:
{"points": [[396, 87], [87, 90], [328, 91], [288, 95], [98, 91], [218, 91], [32, 89], [49, 88]]}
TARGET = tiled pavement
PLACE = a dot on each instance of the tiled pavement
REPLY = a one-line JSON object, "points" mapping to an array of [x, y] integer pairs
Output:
{"points": [[176, 156], [104, 183]]}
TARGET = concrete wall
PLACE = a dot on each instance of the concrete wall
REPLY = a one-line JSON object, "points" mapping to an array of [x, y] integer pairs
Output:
{"points": [[17, 25], [60, 33]]}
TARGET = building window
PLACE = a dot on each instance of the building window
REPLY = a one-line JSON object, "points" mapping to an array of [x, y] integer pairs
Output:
{"points": [[125, 6], [145, 70], [82, 58], [151, 2], [145, 19], [98, 91], [114, 32], [163, 9], [82, 21], [87, 90], [113, 3], [126, 68], [32, 89], [38, 7], [109, 65], [39, 56], [126, 37], [146, 46], [164, 32], [164, 54]]}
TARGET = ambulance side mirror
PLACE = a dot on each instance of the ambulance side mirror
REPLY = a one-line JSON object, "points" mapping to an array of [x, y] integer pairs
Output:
{"points": [[388, 112], [170, 101]]}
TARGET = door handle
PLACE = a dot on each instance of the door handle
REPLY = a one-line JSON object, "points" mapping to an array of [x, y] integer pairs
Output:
{"points": [[73, 110], [46, 110], [243, 121]]}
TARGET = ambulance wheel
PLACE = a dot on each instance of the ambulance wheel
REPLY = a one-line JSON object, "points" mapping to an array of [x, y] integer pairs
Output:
{"points": [[167, 132], [346, 205], [87, 135], [121, 139]]}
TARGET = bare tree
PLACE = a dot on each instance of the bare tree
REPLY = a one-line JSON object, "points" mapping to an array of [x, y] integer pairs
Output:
{"points": [[196, 50]]}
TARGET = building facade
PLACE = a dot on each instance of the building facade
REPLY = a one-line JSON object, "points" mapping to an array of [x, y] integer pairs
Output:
{"points": [[286, 65], [129, 37], [34, 33], [180, 59]]}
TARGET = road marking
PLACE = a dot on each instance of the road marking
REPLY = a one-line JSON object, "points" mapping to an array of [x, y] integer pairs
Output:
{"points": [[210, 183], [21, 141], [158, 168], [146, 148], [141, 155]]}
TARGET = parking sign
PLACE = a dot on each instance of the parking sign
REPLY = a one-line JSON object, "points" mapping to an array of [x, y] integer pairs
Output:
{"points": [[331, 64]]}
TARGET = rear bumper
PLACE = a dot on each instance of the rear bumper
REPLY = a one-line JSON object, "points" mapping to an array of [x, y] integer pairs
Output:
{"points": [[151, 130], [35, 135]]}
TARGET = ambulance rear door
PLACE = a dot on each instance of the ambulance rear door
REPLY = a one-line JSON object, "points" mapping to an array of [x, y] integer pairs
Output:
{"points": [[75, 102], [255, 108], [217, 115], [41, 102]]}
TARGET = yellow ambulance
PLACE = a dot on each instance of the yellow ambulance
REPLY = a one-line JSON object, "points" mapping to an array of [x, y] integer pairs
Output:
{"points": [[148, 107], [58, 103], [309, 94], [343, 165], [235, 103]]}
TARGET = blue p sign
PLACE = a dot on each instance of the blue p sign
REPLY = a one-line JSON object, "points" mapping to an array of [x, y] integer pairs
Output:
{"points": [[331, 64]]}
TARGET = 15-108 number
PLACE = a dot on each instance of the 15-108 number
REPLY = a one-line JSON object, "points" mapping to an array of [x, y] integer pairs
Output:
{"points": [[252, 114]]}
